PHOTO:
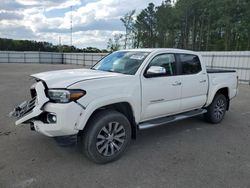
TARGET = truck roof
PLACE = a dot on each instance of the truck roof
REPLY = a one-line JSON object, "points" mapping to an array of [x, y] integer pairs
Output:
{"points": [[173, 50]]}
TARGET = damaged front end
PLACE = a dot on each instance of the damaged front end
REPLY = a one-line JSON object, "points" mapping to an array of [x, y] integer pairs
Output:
{"points": [[28, 110], [46, 116]]}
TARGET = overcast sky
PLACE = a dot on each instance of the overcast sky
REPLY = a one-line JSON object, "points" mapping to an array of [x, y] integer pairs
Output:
{"points": [[94, 21]]}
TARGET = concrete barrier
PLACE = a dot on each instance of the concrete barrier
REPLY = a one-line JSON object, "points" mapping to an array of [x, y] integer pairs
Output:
{"points": [[239, 61], [31, 57], [235, 60]]}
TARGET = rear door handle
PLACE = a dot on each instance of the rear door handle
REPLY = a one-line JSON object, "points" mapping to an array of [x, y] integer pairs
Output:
{"points": [[176, 84]]}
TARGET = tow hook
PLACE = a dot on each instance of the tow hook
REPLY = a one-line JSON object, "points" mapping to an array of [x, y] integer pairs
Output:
{"points": [[32, 126]]}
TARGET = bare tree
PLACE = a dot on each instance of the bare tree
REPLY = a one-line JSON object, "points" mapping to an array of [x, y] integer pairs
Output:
{"points": [[114, 43], [128, 20]]}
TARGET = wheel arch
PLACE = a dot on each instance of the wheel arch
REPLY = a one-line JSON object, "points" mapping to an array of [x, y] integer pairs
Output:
{"points": [[224, 91], [124, 108]]}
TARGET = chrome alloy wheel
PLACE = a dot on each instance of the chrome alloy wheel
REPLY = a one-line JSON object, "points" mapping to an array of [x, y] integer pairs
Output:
{"points": [[219, 109], [110, 139]]}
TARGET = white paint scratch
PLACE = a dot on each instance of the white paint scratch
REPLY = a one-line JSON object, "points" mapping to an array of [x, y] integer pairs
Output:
{"points": [[245, 113], [25, 183]]}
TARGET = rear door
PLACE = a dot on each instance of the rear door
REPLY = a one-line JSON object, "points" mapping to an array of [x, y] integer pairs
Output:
{"points": [[194, 82]]}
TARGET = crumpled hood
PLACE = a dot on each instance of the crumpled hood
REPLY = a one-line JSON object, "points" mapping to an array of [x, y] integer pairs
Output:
{"points": [[65, 78]]}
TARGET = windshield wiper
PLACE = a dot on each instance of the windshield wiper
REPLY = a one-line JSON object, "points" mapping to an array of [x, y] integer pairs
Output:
{"points": [[110, 71], [107, 71]]}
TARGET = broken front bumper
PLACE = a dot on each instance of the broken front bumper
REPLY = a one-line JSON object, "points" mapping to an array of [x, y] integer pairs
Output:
{"points": [[34, 112], [67, 119], [33, 108]]}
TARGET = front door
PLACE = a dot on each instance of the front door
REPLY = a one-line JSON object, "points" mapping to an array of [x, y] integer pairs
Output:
{"points": [[161, 93]]}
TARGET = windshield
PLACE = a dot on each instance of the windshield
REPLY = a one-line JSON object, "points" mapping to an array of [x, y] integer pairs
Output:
{"points": [[125, 62]]}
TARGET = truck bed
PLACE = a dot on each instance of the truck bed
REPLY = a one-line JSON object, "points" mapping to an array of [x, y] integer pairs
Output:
{"points": [[219, 78]]}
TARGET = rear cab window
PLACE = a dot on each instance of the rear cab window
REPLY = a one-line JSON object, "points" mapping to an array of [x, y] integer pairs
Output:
{"points": [[190, 64]]}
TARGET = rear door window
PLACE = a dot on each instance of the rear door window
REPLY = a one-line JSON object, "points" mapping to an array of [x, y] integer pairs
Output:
{"points": [[190, 64]]}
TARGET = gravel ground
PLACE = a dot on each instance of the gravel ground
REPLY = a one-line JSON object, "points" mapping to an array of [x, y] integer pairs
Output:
{"points": [[189, 153]]}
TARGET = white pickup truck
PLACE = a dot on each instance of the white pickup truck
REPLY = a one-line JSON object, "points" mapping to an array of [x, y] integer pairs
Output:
{"points": [[126, 91]]}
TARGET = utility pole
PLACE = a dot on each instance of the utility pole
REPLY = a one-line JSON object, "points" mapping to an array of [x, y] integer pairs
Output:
{"points": [[59, 43], [71, 28]]}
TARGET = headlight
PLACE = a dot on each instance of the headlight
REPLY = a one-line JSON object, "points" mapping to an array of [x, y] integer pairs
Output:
{"points": [[65, 96]]}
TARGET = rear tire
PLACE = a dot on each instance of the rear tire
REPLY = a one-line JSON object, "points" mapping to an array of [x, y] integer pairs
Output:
{"points": [[217, 109], [106, 136]]}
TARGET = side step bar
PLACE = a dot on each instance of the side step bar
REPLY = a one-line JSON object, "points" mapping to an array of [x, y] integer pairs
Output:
{"points": [[170, 119]]}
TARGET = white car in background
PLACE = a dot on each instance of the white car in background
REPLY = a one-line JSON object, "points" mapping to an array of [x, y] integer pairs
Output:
{"points": [[126, 91]]}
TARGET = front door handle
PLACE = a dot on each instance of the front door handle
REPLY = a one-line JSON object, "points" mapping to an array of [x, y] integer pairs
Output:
{"points": [[176, 84], [203, 81]]}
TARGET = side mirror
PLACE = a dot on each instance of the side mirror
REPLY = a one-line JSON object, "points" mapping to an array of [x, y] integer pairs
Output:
{"points": [[154, 71]]}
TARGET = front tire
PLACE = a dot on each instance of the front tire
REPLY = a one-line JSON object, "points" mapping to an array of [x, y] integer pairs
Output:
{"points": [[106, 136], [217, 109]]}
